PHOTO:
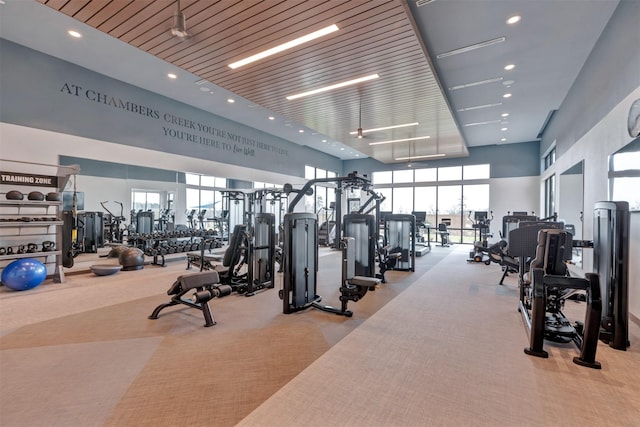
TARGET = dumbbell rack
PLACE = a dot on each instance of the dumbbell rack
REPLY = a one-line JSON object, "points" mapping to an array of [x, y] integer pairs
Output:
{"points": [[27, 221]]}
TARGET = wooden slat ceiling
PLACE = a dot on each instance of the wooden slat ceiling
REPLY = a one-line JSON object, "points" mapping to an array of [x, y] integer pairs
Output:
{"points": [[375, 37]]}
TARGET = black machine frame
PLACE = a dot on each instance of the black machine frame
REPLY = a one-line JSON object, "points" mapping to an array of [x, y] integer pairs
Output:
{"points": [[300, 248]]}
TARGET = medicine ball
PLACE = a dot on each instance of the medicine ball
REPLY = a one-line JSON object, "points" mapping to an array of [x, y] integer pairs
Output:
{"points": [[131, 259], [116, 251], [53, 197], [36, 195], [14, 195]]}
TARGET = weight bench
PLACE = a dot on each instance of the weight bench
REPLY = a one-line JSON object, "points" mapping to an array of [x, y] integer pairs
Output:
{"points": [[206, 286], [353, 287]]}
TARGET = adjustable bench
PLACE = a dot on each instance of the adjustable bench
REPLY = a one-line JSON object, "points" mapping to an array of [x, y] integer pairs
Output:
{"points": [[206, 286]]}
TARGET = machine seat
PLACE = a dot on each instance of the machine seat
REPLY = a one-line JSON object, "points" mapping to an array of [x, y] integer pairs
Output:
{"points": [[364, 281]]}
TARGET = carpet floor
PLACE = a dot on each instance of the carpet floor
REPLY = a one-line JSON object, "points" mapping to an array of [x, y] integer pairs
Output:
{"points": [[83, 353]]}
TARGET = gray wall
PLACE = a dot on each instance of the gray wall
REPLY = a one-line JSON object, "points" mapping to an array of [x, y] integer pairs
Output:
{"points": [[507, 161], [611, 72], [44, 92]]}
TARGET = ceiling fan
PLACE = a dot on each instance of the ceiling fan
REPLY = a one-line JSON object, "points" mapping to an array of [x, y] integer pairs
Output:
{"points": [[179, 25]]}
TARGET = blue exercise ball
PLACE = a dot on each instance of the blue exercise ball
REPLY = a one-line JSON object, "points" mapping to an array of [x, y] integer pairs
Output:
{"points": [[24, 274]]}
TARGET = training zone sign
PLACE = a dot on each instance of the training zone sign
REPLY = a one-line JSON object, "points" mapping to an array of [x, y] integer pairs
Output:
{"points": [[28, 179]]}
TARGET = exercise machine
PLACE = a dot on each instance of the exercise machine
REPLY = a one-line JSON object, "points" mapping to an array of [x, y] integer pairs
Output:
{"points": [[205, 286], [611, 262], [399, 237], [113, 224], [481, 224], [261, 254], [422, 246], [543, 302], [300, 253], [362, 228]]}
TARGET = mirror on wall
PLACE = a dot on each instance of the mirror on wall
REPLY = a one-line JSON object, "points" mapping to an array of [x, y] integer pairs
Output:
{"points": [[570, 204]]}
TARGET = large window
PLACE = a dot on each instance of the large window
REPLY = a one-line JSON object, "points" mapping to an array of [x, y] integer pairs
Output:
{"points": [[426, 175], [549, 196], [323, 195], [475, 198], [403, 200], [624, 175], [446, 193], [453, 173], [203, 194], [549, 158], [146, 201]]}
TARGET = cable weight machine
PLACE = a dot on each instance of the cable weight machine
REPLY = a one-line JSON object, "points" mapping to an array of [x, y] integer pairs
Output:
{"points": [[300, 248]]}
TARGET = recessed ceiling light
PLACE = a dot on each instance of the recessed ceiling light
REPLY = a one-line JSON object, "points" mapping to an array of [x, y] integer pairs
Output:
{"points": [[482, 123], [505, 114], [357, 155], [301, 131], [509, 67], [508, 83], [341, 148], [74, 33], [503, 139], [513, 19], [271, 118], [506, 95], [385, 128], [426, 156], [334, 86], [231, 100], [471, 47], [478, 107], [285, 46], [172, 76], [204, 89], [504, 129], [478, 83], [399, 140]]}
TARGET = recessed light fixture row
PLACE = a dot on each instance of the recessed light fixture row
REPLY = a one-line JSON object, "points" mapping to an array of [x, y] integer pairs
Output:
{"points": [[471, 47], [478, 107], [400, 140], [385, 128], [478, 83], [482, 123], [426, 156], [284, 46], [334, 86]]}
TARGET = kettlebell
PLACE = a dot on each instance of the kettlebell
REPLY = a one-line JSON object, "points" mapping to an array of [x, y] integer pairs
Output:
{"points": [[21, 249], [3, 251], [31, 248], [48, 246], [9, 250]]}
